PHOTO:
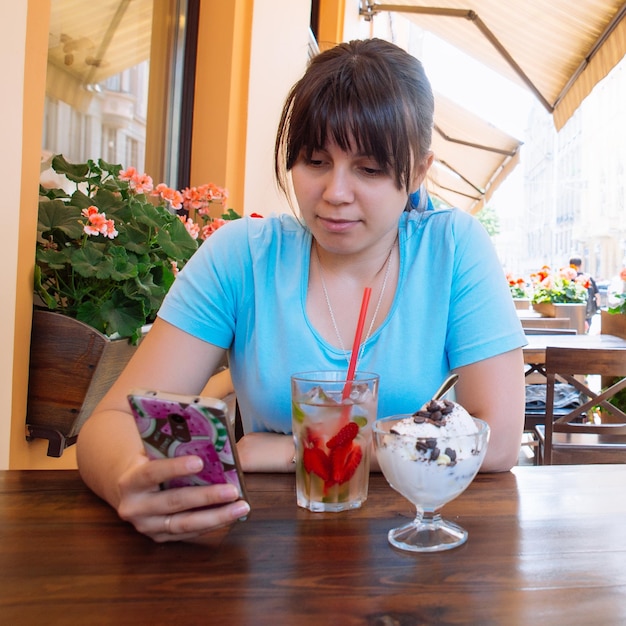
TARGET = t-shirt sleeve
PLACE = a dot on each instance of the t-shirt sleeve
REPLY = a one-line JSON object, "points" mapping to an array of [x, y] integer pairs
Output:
{"points": [[482, 318], [205, 295]]}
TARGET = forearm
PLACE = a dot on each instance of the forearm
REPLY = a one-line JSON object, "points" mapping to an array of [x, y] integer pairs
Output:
{"points": [[493, 390], [266, 452], [108, 445]]}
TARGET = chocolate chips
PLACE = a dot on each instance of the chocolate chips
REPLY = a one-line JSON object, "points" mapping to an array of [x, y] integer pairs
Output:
{"points": [[434, 413], [423, 445], [452, 454]]}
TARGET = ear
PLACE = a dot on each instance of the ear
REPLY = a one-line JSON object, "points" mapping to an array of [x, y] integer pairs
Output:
{"points": [[421, 169]]}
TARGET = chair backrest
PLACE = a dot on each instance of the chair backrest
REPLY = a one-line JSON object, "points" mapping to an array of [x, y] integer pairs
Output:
{"points": [[574, 366]]}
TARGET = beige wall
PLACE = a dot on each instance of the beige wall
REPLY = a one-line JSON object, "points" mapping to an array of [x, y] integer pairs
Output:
{"points": [[11, 46], [278, 58], [25, 43]]}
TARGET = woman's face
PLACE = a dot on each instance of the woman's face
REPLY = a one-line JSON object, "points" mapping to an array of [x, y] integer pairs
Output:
{"points": [[347, 201]]}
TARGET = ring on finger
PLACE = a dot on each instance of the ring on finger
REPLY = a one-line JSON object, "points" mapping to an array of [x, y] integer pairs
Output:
{"points": [[167, 524]]}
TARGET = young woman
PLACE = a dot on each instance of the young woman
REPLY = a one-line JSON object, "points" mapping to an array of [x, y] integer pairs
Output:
{"points": [[282, 294]]}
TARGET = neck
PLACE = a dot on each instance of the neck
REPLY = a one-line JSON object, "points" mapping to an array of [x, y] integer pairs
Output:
{"points": [[363, 268], [341, 292]]}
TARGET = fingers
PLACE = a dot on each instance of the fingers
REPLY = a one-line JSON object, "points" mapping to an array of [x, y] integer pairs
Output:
{"points": [[191, 524], [156, 472], [179, 513]]}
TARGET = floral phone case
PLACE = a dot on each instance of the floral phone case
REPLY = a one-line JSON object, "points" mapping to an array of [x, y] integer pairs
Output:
{"points": [[174, 425]]}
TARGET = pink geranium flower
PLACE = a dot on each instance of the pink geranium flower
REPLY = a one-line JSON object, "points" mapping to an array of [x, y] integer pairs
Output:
{"points": [[98, 224]]}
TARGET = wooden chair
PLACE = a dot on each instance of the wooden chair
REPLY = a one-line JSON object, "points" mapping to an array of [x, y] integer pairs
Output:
{"points": [[574, 438], [535, 375]]}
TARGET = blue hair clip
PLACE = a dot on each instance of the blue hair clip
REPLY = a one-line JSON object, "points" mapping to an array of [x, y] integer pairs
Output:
{"points": [[420, 200]]}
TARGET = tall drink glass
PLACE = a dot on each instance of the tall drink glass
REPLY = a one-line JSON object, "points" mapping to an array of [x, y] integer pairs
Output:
{"points": [[331, 420]]}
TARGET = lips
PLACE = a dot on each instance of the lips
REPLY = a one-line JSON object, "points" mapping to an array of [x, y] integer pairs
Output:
{"points": [[337, 226]]}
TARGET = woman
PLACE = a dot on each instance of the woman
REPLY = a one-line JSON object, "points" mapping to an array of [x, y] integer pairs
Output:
{"points": [[283, 295]]}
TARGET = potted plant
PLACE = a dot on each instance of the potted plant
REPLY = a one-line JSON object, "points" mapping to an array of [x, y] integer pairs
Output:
{"points": [[613, 320], [561, 294], [109, 246], [519, 291]]}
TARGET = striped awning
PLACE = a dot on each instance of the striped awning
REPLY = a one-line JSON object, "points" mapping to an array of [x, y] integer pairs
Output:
{"points": [[472, 157], [559, 49]]}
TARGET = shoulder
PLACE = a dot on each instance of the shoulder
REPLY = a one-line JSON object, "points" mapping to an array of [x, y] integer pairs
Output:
{"points": [[440, 218], [441, 225]]}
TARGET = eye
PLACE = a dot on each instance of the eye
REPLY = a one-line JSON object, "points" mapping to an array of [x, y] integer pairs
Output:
{"points": [[316, 159], [372, 171], [371, 168]]}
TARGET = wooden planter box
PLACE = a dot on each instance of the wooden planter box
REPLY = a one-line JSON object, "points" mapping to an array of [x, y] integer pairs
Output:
{"points": [[72, 366], [574, 311], [522, 304], [613, 324]]}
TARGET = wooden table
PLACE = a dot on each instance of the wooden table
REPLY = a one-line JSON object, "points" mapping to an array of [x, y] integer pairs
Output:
{"points": [[546, 545], [535, 351]]}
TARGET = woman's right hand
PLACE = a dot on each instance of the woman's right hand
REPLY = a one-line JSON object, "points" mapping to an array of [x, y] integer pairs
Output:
{"points": [[175, 514]]}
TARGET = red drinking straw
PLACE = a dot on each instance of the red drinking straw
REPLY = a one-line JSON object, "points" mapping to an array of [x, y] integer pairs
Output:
{"points": [[357, 343]]}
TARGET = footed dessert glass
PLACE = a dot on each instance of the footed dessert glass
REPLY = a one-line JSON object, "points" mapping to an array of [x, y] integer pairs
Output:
{"points": [[429, 472]]}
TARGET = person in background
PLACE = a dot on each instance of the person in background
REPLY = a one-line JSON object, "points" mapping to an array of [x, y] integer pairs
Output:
{"points": [[282, 294], [593, 293]]}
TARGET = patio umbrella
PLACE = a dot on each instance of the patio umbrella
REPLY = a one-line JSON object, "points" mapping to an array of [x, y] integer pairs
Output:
{"points": [[472, 157], [558, 49]]}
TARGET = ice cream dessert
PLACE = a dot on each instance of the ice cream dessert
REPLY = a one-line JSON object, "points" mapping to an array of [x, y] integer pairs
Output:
{"points": [[430, 457], [435, 420]]}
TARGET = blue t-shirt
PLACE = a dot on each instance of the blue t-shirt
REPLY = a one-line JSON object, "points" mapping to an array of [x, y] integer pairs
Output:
{"points": [[245, 290]]}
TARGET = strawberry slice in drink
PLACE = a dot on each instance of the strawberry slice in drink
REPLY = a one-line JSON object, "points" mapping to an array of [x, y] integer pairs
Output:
{"points": [[316, 461], [344, 461], [344, 436]]}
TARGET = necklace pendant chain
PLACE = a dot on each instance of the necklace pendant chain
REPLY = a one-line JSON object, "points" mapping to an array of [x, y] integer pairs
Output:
{"points": [[374, 316]]}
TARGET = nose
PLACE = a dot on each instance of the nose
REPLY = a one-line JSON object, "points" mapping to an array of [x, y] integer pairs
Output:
{"points": [[338, 188]]}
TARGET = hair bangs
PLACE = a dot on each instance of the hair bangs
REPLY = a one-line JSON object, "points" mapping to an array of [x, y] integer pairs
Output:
{"points": [[359, 122]]}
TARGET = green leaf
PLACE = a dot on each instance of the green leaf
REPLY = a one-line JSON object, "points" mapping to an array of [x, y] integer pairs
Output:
{"points": [[89, 312], [76, 172], [231, 215], [87, 261], [105, 200], [181, 238], [54, 259], [41, 291], [55, 215], [110, 168], [177, 244], [116, 315], [123, 316], [150, 216], [136, 238], [54, 193], [145, 288]]}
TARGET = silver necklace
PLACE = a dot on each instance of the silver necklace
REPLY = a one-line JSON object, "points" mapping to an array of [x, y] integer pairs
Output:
{"points": [[332, 314]]}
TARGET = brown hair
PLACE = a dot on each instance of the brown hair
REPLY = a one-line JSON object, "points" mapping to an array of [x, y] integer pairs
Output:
{"points": [[368, 91]]}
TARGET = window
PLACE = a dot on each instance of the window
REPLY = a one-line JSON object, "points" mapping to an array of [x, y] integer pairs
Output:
{"points": [[98, 81]]}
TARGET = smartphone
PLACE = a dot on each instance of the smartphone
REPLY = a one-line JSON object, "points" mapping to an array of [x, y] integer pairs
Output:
{"points": [[174, 425]]}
